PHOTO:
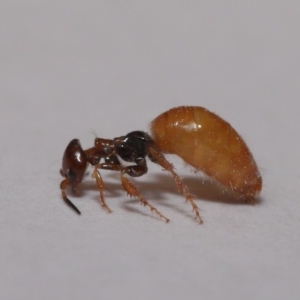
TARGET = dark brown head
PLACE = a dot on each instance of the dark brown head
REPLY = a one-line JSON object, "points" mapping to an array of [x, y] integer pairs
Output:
{"points": [[74, 163]]}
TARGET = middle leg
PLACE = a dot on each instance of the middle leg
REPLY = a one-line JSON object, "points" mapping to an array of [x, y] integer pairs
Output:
{"points": [[134, 171], [133, 191], [156, 156]]}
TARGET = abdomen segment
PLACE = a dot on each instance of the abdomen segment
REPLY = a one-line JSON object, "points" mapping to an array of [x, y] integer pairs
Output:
{"points": [[210, 144]]}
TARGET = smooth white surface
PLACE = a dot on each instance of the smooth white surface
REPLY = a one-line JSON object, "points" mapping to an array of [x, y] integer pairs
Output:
{"points": [[69, 68]]}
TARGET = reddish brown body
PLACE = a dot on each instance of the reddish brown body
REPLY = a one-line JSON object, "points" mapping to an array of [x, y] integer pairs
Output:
{"points": [[210, 144], [199, 137]]}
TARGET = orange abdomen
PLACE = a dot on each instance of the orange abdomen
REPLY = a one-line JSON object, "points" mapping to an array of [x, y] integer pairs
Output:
{"points": [[210, 144]]}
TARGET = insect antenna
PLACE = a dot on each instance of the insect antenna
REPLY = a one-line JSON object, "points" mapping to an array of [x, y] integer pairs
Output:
{"points": [[71, 205]]}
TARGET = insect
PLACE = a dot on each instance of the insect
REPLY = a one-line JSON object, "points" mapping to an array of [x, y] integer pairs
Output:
{"points": [[198, 136]]}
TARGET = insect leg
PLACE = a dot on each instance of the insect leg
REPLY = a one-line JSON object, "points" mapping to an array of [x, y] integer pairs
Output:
{"points": [[100, 184], [156, 156], [134, 192], [114, 166], [134, 171]]}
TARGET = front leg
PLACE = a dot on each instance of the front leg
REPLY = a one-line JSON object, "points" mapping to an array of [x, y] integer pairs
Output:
{"points": [[110, 164], [134, 171], [100, 184]]}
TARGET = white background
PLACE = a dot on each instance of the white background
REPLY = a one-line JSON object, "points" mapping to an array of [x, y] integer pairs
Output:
{"points": [[69, 69]]}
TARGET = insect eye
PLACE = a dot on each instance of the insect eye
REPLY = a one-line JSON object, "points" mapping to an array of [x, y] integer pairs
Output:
{"points": [[71, 175]]}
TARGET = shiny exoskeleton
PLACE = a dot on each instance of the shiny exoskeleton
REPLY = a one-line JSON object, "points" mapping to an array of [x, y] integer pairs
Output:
{"points": [[133, 147], [209, 144], [201, 138]]}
